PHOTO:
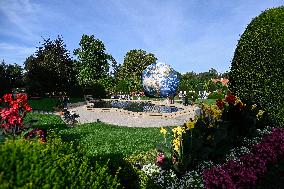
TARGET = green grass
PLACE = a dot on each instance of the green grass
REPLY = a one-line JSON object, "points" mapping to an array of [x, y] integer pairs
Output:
{"points": [[45, 121], [100, 138], [75, 100], [47, 104]]}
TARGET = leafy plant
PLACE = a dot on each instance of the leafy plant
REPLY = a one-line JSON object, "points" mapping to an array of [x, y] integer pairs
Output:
{"points": [[257, 67], [12, 115], [54, 164], [217, 129]]}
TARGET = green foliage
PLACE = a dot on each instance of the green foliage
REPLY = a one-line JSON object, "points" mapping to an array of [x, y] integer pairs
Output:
{"points": [[205, 101], [100, 138], [211, 135], [47, 104], [257, 67], [54, 164], [191, 81], [105, 143], [188, 82], [93, 66], [97, 90], [142, 158], [216, 95], [11, 77], [44, 121], [50, 69], [135, 62]]}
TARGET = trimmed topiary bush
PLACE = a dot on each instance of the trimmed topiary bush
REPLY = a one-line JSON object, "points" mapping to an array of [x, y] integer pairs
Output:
{"points": [[54, 164], [257, 71]]}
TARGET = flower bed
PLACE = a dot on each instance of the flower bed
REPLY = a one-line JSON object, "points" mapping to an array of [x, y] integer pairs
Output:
{"points": [[227, 146], [245, 171]]}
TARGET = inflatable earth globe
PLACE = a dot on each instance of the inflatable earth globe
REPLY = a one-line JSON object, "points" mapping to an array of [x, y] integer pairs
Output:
{"points": [[160, 80]]}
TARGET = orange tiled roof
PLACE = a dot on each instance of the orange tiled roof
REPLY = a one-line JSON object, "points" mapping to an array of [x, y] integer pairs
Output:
{"points": [[224, 81]]}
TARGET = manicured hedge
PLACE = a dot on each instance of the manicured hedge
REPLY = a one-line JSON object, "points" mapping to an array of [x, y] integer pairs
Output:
{"points": [[55, 164], [257, 71]]}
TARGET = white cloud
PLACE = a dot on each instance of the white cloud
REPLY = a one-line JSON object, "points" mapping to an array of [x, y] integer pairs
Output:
{"points": [[21, 14], [12, 53]]}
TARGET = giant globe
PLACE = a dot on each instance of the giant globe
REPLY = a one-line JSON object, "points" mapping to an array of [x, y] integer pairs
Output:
{"points": [[160, 80]]}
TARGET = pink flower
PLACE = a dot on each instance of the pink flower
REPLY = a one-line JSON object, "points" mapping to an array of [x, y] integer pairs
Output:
{"points": [[160, 159], [174, 159]]}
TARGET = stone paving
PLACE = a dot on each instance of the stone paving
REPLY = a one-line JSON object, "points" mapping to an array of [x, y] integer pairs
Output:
{"points": [[130, 119]]}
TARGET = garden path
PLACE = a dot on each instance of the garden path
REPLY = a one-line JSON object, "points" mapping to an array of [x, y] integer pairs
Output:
{"points": [[120, 119]]}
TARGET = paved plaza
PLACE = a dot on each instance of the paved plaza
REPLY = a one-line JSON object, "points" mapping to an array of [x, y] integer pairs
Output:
{"points": [[131, 119]]}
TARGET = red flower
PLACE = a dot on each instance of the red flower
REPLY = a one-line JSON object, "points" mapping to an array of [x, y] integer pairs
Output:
{"points": [[22, 98], [230, 98], [27, 107], [220, 103], [12, 116], [15, 105], [5, 125], [8, 98]]}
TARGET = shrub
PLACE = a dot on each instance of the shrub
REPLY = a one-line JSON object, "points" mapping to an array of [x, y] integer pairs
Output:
{"points": [[54, 164], [216, 95], [258, 64], [217, 129]]}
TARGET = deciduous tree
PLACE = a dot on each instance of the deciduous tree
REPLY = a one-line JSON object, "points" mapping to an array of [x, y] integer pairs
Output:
{"points": [[135, 61]]}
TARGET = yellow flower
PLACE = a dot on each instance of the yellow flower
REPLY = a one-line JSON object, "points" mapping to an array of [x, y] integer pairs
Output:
{"points": [[259, 114], [238, 100], [190, 124], [163, 131], [176, 144], [253, 106], [178, 131], [210, 125]]}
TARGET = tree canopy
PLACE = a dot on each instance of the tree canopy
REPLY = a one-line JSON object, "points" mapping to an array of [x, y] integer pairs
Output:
{"points": [[135, 61], [10, 77], [50, 69], [93, 62]]}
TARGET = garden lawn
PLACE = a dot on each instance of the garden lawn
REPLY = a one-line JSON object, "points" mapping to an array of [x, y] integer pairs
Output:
{"points": [[47, 104], [100, 138], [103, 139]]}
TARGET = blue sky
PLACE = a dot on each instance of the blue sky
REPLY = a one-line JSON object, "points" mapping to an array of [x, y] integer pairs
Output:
{"points": [[189, 35]]}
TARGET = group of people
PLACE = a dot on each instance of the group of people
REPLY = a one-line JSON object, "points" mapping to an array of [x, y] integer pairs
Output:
{"points": [[184, 97], [130, 96]]}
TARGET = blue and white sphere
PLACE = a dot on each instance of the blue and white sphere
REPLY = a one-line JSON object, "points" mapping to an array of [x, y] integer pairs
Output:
{"points": [[160, 80]]}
